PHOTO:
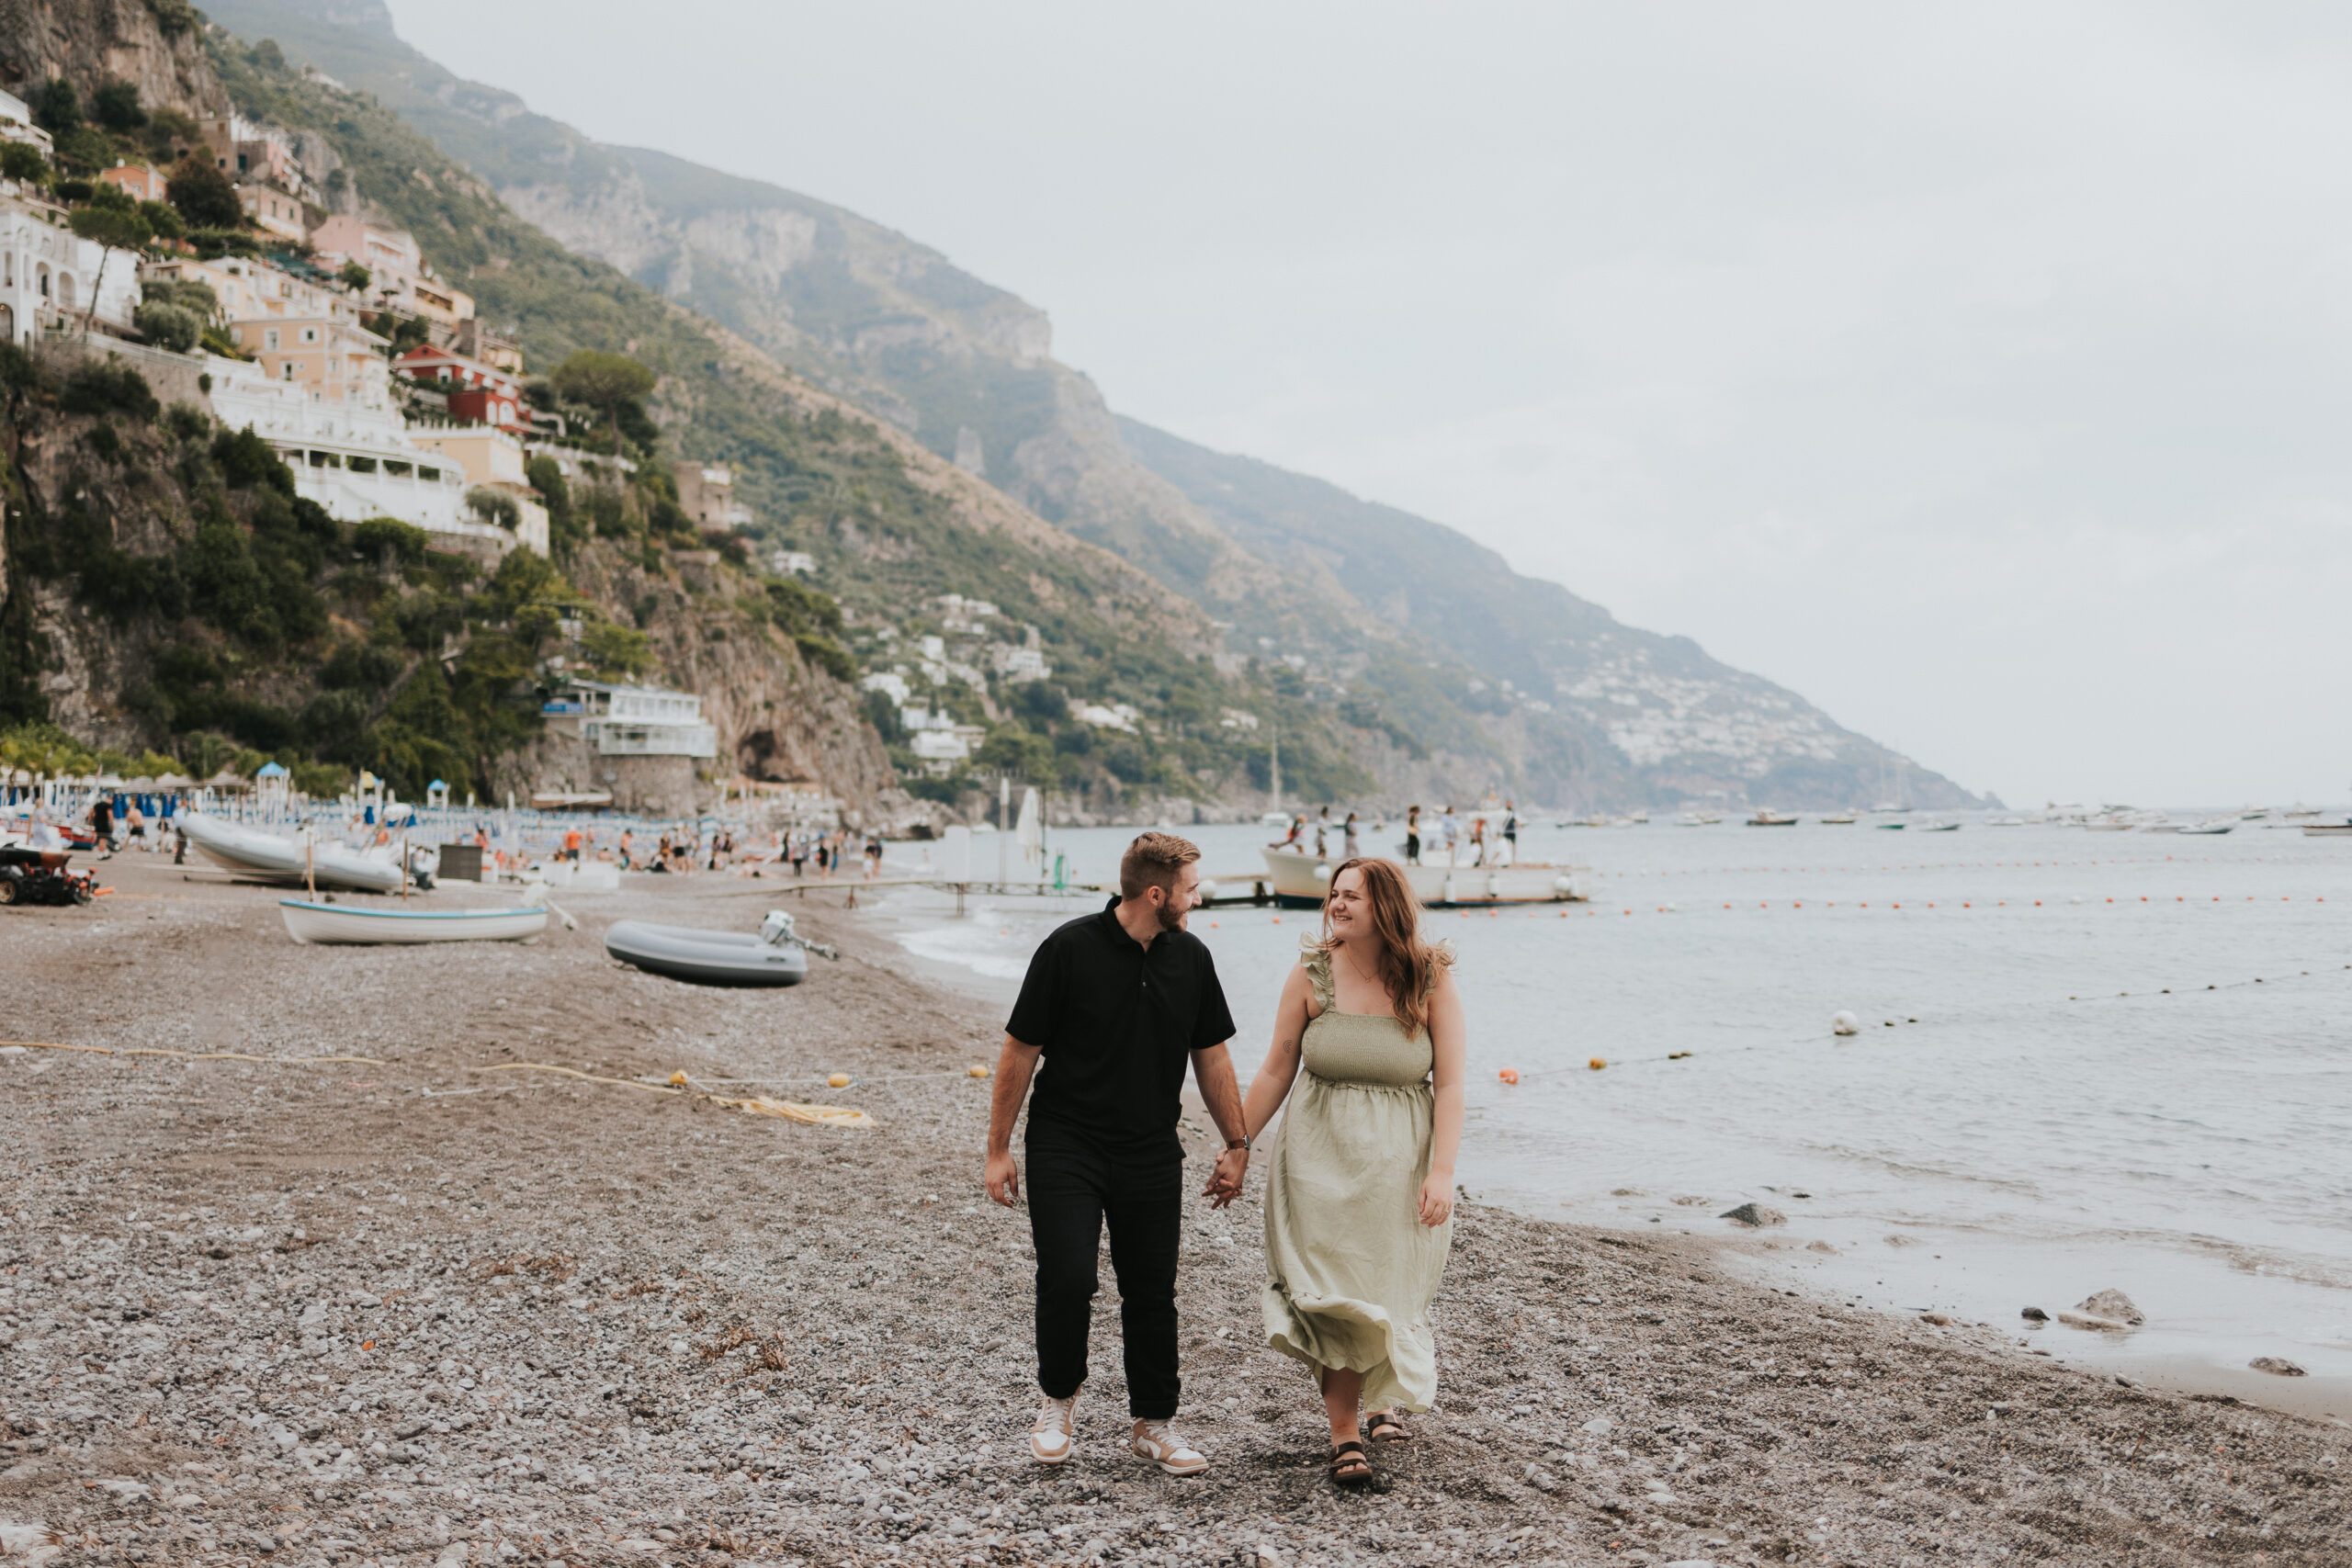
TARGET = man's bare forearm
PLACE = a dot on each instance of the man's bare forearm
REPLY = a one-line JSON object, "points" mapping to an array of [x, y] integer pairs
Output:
{"points": [[1015, 1065], [1213, 1071]]}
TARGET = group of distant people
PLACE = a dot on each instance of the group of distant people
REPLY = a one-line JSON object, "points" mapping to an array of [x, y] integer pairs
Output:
{"points": [[1447, 835]]}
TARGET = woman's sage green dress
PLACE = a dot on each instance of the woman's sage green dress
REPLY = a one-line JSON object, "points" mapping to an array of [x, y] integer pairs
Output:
{"points": [[1351, 1268]]}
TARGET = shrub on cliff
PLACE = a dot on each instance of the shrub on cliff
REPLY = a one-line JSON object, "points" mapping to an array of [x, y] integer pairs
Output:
{"points": [[96, 387]]}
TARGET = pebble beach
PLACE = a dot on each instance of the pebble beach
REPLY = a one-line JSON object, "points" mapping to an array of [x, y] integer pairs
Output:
{"points": [[308, 1256]]}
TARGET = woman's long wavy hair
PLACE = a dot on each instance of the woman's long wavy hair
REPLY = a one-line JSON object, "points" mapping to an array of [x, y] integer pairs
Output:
{"points": [[1408, 964]]}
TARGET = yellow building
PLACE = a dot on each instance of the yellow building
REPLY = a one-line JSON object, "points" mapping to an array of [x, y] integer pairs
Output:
{"points": [[335, 356], [493, 458]]}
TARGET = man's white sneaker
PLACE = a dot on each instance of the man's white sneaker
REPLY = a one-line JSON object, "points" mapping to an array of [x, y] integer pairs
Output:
{"points": [[1158, 1441], [1049, 1439]]}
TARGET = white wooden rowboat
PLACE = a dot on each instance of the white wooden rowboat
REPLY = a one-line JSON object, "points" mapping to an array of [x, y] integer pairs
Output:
{"points": [[346, 925]]}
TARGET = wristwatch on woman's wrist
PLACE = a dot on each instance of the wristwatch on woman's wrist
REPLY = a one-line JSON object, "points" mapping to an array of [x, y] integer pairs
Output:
{"points": [[1237, 1142]]}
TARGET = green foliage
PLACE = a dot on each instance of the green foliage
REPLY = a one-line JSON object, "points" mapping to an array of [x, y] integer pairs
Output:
{"points": [[354, 276], [167, 326], [1023, 753], [190, 294], [205, 195], [116, 107], [22, 161], [245, 459], [56, 107], [824, 653], [494, 506], [163, 220], [604, 381], [117, 228], [615, 651], [800, 608], [111, 386], [883, 714], [174, 17]]}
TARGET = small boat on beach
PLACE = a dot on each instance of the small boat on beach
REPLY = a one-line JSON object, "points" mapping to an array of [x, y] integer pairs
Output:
{"points": [[267, 857], [1299, 881], [348, 925], [776, 955]]}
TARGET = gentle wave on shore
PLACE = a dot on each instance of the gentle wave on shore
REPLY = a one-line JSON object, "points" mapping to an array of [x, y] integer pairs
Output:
{"points": [[2045, 1098]]}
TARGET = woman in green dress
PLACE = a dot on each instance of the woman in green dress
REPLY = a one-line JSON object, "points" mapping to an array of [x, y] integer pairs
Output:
{"points": [[1360, 1193]]}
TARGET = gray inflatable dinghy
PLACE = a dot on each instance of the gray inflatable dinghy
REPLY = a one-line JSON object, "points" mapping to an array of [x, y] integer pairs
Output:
{"points": [[774, 957]]}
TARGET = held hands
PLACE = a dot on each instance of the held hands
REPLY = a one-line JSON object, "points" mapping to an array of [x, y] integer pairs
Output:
{"points": [[1225, 1181], [1002, 1178], [1437, 1197]]}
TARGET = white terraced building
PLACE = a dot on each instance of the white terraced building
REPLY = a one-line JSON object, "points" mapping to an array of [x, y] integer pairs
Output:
{"points": [[633, 721]]}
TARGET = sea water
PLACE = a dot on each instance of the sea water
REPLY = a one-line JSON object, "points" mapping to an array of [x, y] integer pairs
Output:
{"points": [[2085, 1060]]}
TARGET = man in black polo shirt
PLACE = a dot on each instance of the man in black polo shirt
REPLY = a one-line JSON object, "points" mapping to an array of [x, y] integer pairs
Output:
{"points": [[1114, 1003]]}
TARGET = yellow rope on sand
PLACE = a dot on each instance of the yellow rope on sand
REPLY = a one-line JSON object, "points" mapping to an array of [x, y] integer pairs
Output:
{"points": [[571, 1072], [793, 1111], [192, 1055], [789, 1109]]}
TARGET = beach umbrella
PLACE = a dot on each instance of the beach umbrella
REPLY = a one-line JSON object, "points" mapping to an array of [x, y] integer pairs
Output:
{"points": [[1029, 832]]}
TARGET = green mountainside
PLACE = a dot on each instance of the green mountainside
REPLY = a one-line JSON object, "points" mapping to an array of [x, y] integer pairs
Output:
{"points": [[892, 529], [1470, 678]]}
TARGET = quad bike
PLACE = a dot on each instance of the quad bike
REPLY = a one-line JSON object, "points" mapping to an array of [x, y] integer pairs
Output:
{"points": [[39, 876]]}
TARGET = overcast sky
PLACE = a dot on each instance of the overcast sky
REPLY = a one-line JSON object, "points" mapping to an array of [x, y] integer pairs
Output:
{"points": [[1979, 372]]}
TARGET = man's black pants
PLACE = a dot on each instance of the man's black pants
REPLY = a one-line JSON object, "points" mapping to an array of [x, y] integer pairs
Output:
{"points": [[1075, 1185]]}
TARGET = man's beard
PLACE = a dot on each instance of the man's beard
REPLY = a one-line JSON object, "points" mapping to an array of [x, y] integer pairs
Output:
{"points": [[1171, 919]]}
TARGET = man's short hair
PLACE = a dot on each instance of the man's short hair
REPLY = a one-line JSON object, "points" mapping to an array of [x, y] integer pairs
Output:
{"points": [[1152, 862]]}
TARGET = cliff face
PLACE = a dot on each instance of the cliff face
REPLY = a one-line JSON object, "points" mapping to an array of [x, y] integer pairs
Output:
{"points": [[158, 49]]}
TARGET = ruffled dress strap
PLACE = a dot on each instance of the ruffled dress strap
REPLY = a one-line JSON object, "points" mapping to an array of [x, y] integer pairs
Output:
{"points": [[1318, 965]]}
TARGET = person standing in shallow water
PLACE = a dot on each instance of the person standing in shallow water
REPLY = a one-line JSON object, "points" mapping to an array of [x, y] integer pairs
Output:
{"points": [[1112, 1007], [1360, 1190]]}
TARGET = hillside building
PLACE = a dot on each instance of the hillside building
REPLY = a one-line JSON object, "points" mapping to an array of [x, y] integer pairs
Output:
{"points": [[330, 356], [632, 721], [493, 459], [48, 274], [276, 209], [141, 180], [16, 125], [475, 393], [707, 494]]}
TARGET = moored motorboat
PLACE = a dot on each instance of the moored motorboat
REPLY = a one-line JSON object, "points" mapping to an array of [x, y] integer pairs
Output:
{"points": [[352, 925], [774, 957], [1767, 817], [1298, 880], [267, 857], [1940, 825], [2213, 825], [1842, 820], [2327, 829]]}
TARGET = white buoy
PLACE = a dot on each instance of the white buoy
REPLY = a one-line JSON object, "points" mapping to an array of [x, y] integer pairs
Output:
{"points": [[1323, 873], [1208, 890], [1845, 1024]]}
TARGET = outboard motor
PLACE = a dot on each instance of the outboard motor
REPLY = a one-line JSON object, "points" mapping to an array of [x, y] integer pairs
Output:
{"points": [[776, 930]]}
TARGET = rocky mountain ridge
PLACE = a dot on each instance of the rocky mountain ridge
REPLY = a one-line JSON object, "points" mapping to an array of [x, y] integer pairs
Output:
{"points": [[1495, 682]]}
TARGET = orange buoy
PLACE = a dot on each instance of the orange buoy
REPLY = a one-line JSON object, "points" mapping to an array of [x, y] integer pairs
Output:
{"points": [[1598, 1063], [1510, 1074], [837, 1080]]}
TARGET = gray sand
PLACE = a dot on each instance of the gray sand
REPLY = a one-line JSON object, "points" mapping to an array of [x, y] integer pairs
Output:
{"points": [[258, 1313]]}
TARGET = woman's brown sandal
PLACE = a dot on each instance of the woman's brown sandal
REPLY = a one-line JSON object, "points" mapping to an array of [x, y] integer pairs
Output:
{"points": [[1349, 1465], [1387, 1427]]}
